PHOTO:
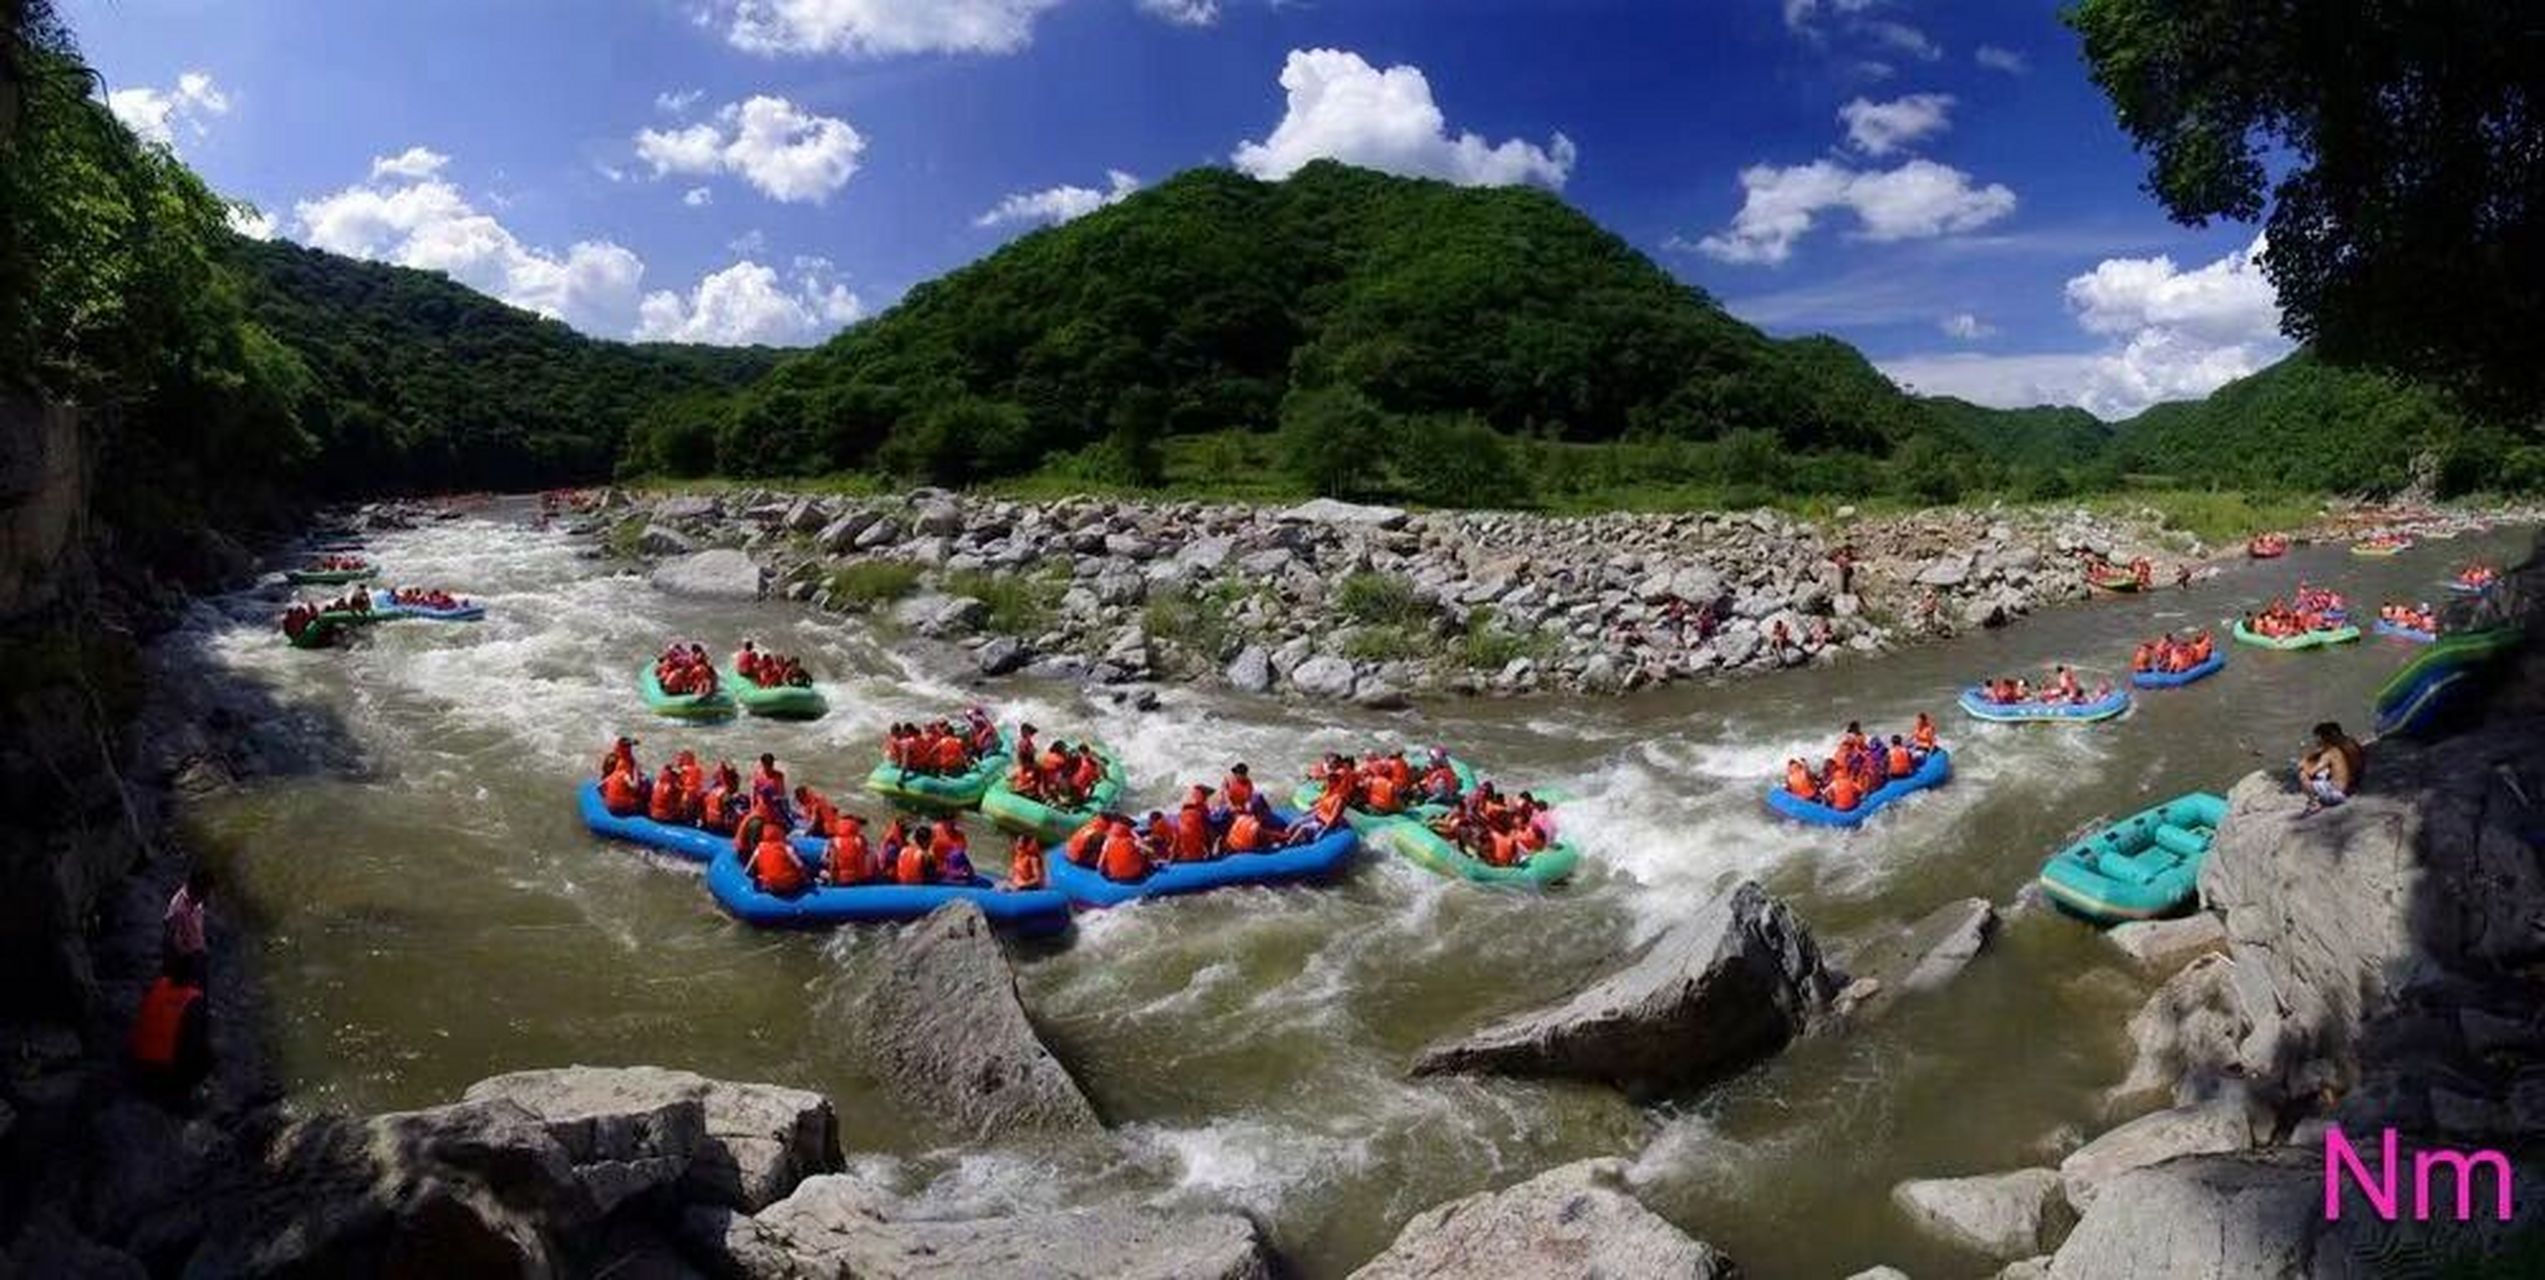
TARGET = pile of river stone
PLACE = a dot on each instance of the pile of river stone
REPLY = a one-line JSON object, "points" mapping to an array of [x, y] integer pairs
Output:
{"points": [[1342, 601]]}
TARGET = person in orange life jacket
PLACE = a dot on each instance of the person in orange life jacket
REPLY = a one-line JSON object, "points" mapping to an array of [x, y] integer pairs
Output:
{"points": [[819, 813], [1798, 780], [849, 859], [662, 804], [981, 734], [946, 754], [917, 863], [621, 752], [1922, 735], [1157, 837], [1086, 773], [1121, 858], [1853, 740], [1025, 868], [1086, 843], [747, 663], [774, 866], [693, 785], [170, 1044], [760, 817], [1440, 781], [769, 782], [2067, 686], [623, 790], [720, 808], [954, 853], [1902, 763], [1379, 792], [2143, 658], [1844, 793], [1237, 791], [1192, 841], [1025, 748], [1326, 816], [1247, 831]]}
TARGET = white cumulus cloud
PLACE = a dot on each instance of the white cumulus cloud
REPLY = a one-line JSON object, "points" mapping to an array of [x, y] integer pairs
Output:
{"points": [[1967, 327], [1880, 128], [1902, 37], [155, 114], [426, 222], [1052, 206], [2171, 335], [677, 102], [414, 162], [1918, 200], [1342, 108], [877, 28], [788, 153], [747, 303], [251, 222], [1996, 58], [1183, 13], [697, 197]]}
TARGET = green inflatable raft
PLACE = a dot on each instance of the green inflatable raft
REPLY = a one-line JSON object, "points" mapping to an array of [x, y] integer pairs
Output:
{"points": [[784, 702], [2303, 640], [1415, 841], [322, 631], [2462, 649], [1012, 812], [1364, 820], [712, 705], [937, 791], [2145, 866], [329, 577]]}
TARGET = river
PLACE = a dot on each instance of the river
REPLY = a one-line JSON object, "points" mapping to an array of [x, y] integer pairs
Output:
{"points": [[425, 909]]}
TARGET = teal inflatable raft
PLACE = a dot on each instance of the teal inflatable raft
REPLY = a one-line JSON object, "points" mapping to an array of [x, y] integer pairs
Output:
{"points": [[1416, 842], [712, 705], [941, 791], [1012, 812], [2140, 868], [778, 702], [1364, 820]]}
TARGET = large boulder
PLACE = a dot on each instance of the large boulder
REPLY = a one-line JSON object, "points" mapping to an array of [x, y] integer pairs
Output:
{"points": [[2218, 1216], [1323, 676], [688, 506], [2163, 946], [1710, 996], [2223, 1124], [840, 536], [1922, 956], [2006, 1216], [1575, 1221], [2186, 1038], [740, 1145], [722, 574], [1251, 671], [838, 1226], [658, 540], [947, 1029], [1330, 511]]}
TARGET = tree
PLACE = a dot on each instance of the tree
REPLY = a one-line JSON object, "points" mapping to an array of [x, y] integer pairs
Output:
{"points": [[2407, 214], [1334, 441]]}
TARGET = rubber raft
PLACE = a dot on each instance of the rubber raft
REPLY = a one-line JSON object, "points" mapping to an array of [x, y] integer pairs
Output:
{"points": [[2343, 634], [939, 791], [2425, 691], [711, 705], [2401, 632], [1413, 840], [2142, 867], [1363, 820], [322, 630], [1934, 771], [1975, 703], [1033, 911], [1319, 859], [467, 612], [782, 702], [1013, 812], [2116, 581], [328, 577], [2216, 662]]}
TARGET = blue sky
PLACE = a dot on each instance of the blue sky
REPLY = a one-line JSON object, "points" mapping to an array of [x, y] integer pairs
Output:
{"points": [[1935, 182]]}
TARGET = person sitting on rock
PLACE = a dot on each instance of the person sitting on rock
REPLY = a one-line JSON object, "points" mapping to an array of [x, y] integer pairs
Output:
{"points": [[1025, 869], [2332, 770]]}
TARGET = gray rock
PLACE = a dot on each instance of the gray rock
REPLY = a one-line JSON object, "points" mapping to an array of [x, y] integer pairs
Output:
{"points": [[1945, 571], [1120, 585], [688, 506], [2028, 1269], [660, 541], [1252, 670], [882, 533], [1880, 1273], [723, 574], [1002, 656], [2185, 1038], [2162, 946], [1323, 676], [1330, 511], [1574, 1222], [804, 515], [840, 535], [1207, 554], [1926, 954], [1270, 563], [944, 1021], [1710, 996], [838, 1226], [2004, 1215], [938, 615], [1738, 643], [2203, 1129], [937, 518], [2251, 1219], [739, 1145]]}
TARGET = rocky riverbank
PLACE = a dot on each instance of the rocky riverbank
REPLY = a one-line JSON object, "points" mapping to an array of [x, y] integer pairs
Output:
{"points": [[1372, 604]]}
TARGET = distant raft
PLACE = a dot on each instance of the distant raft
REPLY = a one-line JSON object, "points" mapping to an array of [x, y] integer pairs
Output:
{"points": [[2216, 662], [2140, 868], [1031, 911], [329, 577], [941, 791], [1975, 703], [1319, 859], [1363, 820], [2402, 632], [1415, 841], [2379, 549], [711, 705], [1934, 771], [2316, 639], [463, 611], [774, 702], [2116, 580], [1014, 812]]}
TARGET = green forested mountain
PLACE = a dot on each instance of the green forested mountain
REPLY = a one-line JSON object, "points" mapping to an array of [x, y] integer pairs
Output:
{"points": [[2044, 437], [1206, 303], [416, 382]]}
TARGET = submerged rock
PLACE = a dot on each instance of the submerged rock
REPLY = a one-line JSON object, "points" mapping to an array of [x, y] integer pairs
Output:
{"points": [[1709, 997], [1574, 1222], [840, 1226], [722, 574], [2163, 946], [946, 1026], [2205, 1129], [2004, 1215]]}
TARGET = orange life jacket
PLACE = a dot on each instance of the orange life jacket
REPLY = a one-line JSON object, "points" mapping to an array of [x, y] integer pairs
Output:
{"points": [[774, 866], [1844, 794], [1245, 834], [851, 859], [1798, 780], [1084, 843], [1025, 866], [912, 866], [1122, 858], [159, 1027], [715, 811], [1329, 810], [664, 804], [1087, 774], [1238, 791], [1382, 793], [1500, 849], [1925, 735], [619, 794], [947, 755], [1901, 765], [1192, 834]]}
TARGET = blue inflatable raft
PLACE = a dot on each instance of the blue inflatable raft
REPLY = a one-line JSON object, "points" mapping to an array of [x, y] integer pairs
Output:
{"points": [[1319, 859], [470, 611], [2145, 866], [2177, 679], [1024, 911], [1977, 705], [1933, 771], [684, 842], [2427, 702], [2414, 634]]}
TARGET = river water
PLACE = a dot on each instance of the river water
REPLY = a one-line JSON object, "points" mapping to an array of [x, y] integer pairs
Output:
{"points": [[426, 910]]}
